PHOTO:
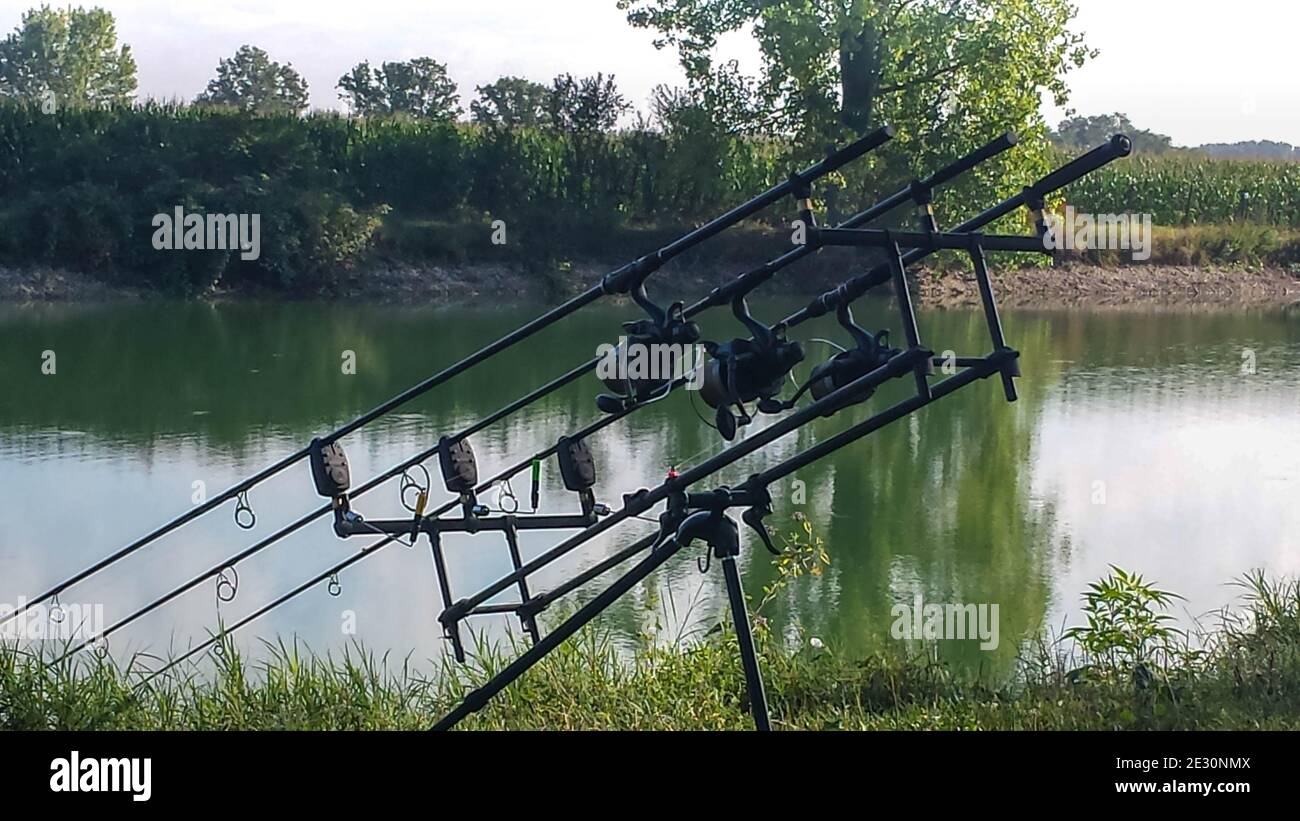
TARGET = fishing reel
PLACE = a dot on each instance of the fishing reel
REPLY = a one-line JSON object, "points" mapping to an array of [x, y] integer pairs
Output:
{"points": [[747, 370], [871, 352], [656, 344]]}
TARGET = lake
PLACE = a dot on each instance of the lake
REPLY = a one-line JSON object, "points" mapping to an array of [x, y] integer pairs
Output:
{"points": [[1164, 441]]}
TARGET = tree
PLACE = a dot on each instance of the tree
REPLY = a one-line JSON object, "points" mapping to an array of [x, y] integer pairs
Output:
{"points": [[590, 105], [511, 102], [838, 67], [252, 81], [359, 88], [68, 57], [1084, 132], [419, 87]]}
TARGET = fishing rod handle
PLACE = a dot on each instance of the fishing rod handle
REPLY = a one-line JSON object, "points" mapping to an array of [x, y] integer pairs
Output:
{"points": [[992, 148], [633, 274], [1113, 149], [1119, 145], [1116, 147], [848, 153], [1003, 142]]}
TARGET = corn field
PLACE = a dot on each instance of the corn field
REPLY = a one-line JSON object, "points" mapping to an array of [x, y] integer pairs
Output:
{"points": [[1182, 191], [79, 187]]}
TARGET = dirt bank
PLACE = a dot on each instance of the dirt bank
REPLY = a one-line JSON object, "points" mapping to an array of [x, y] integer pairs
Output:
{"points": [[1071, 285], [1090, 285]]}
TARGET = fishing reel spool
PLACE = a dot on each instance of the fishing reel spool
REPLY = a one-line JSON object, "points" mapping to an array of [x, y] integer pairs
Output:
{"points": [[870, 352], [754, 369], [747, 370], [661, 328]]}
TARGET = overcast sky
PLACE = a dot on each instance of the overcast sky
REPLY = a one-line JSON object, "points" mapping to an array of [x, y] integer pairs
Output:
{"points": [[1197, 70]]}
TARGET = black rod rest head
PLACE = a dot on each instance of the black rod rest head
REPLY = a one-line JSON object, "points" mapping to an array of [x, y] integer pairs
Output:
{"points": [[716, 528], [751, 494]]}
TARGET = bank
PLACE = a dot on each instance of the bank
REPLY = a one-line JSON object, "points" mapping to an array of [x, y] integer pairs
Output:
{"points": [[1075, 284], [1242, 674]]}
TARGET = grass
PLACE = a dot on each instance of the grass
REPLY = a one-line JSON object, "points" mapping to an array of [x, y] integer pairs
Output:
{"points": [[1246, 677], [1228, 245]]}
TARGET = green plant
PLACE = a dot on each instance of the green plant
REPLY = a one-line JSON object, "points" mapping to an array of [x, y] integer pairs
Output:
{"points": [[1126, 632], [802, 551]]}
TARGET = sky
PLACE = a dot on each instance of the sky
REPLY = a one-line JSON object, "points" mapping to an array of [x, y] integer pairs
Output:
{"points": [[1198, 70]]}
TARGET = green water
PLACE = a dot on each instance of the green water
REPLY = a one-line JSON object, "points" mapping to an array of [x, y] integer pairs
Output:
{"points": [[1138, 440]]}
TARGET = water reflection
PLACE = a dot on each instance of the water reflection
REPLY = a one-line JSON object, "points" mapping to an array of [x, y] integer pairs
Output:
{"points": [[1137, 441]]}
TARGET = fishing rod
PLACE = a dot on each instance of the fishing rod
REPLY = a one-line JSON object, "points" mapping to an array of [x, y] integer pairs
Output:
{"points": [[628, 279], [919, 190], [703, 516]]}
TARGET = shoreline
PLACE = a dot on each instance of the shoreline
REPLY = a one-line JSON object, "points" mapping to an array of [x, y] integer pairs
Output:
{"points": [[1070, 285]]}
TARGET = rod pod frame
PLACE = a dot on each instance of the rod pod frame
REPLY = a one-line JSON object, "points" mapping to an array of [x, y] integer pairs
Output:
{"points": [[459, 468]]}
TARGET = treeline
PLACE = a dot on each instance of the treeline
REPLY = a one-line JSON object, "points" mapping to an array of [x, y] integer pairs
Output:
{"points": [[79, 187]]}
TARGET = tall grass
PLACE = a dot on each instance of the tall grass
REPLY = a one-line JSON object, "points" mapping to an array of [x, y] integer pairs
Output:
{"points": [[1246, 677]]}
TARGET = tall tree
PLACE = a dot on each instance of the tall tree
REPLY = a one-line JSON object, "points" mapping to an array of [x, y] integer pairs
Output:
{"points": [[511, 102], [67, 57], [585, 106], [419, 87], [836, 66], [252, 81]]}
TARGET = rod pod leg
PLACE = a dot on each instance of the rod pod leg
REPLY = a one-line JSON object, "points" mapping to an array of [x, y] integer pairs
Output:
{"points": [[748, 655], [898, 271], [512, 541], [452, 632], [994, 321], [479, 698]]}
